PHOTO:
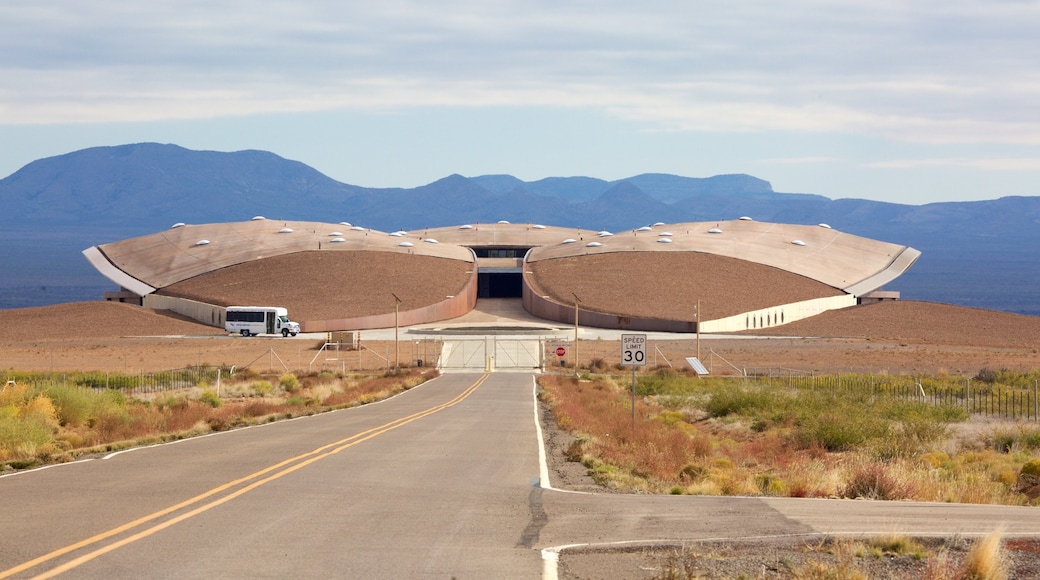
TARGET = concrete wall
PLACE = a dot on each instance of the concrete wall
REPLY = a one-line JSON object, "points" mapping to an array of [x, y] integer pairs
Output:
{"points": [[199, 311], [778, 315]]}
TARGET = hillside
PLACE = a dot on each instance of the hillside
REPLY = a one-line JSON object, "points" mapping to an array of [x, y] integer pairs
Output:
{"points": [[983, 254]]}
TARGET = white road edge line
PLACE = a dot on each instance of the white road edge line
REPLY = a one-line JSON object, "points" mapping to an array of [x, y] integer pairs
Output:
{"points": [[543, 465], [41, 468]]}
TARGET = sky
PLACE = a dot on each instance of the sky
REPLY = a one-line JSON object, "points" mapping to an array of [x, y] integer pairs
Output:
{"points": [[906, 102]]}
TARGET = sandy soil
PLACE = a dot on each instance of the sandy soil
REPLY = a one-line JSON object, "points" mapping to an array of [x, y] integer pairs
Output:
{"points": [[893, 337]]}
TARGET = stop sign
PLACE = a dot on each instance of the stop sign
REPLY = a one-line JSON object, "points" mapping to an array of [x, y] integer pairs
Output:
{"points": [[560, 351]]}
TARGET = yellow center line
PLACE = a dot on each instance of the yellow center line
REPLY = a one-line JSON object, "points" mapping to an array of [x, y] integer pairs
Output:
{"points": [[304, 460]]}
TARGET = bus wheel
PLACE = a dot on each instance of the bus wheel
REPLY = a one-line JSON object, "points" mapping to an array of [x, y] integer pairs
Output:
{"points": [[285, 333], [245, 332]]}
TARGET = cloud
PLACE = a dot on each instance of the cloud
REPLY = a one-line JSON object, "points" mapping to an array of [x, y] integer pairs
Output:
{"points": [[986, 164], [929, 71]]}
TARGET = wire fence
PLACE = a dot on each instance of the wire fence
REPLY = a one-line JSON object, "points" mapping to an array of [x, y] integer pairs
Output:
{"points": [[996, 399], [130, 384]]}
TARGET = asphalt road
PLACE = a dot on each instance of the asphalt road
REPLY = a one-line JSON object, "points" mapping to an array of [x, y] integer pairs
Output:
{"points": [[443, 481], [432, 483]]}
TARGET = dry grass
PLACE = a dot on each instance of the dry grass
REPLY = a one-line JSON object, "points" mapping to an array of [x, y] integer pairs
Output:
{"points": [[55, 423], [679, 448]]}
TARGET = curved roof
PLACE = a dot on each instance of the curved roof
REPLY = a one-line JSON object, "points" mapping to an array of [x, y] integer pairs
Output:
{"points": [[161, 259], [840, 263]]}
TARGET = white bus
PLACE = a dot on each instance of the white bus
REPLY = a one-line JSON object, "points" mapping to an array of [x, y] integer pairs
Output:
{"points": [[252, 320]]}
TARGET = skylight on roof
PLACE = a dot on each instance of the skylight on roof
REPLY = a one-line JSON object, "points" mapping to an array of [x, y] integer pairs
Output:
{"points": [[202, 242], [798, 242], [406, 244], [568, 241], [664, 240], [177, 225], [258, 218], [285, 231], [714, 231], [593, 245]]}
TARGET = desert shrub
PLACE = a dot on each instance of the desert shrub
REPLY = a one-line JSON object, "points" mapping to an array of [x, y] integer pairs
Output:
{"points": [[289, 383], [1031, 467], [73, 404], [896, 545], [20, 436], [210, 397], [840, 431], [873, 481], [740, 401], [986, 375], [986, 559], [770, 484], [1006, 441], [661, 382], [262, 388]]}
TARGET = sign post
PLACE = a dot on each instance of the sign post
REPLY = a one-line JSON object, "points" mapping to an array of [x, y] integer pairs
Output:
{"points": [[633, 354]]}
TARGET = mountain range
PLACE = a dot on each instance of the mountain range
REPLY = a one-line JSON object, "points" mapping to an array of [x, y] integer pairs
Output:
{"points": [[983, 253]]}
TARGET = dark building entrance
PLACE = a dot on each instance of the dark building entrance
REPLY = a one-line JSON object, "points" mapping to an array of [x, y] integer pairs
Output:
{"points": [[499, 285]]}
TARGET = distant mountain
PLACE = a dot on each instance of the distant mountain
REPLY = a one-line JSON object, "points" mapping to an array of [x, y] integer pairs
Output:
{"points": [[984, 254]]}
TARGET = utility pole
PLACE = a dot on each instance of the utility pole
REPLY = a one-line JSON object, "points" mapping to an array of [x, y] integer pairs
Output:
{"points": [[697, 318], [576, 301], [397, 343]]}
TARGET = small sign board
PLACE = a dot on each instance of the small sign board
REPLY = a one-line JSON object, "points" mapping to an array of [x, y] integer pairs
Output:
{"points": [[633, 350]]}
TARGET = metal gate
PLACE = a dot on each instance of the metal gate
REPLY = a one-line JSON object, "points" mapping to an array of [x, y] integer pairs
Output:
{"points": [[518, 354], [493, 352]]}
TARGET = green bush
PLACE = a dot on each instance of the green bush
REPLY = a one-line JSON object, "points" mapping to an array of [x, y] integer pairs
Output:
{"points": [[741, 401], [262, 388], [22, 436], [74, 404], [210, 397], [289, 383], [1031, 467]]}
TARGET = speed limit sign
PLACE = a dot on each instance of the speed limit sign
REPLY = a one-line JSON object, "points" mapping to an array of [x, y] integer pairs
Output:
{"points": [[633, 350]]}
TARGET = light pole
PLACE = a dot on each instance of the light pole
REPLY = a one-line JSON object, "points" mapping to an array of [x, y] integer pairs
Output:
{"points": [[397, 343]]}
